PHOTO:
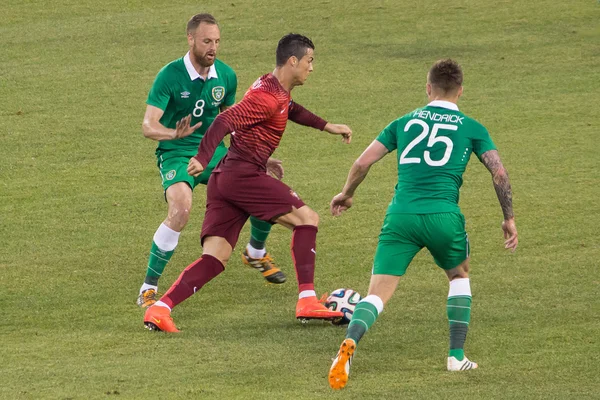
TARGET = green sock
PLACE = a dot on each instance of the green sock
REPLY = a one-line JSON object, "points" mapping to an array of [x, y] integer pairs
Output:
{"points": [[364, 316], [459, 315], [156, 264], [259, 232]]}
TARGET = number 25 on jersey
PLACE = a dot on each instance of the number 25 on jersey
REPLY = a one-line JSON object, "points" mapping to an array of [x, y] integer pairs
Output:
{"points": [[433, 139]]}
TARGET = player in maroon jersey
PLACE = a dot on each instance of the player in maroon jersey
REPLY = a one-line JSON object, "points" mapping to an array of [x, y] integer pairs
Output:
{"points": [[240, 186]]}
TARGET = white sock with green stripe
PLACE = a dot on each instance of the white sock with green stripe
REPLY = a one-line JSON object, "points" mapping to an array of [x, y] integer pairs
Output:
{"points": [[459, 315], [364, 316], [163, 247]]}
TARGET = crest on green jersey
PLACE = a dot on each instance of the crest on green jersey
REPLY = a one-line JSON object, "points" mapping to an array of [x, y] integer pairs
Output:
{"points": [[171, 174], [218, 93]]}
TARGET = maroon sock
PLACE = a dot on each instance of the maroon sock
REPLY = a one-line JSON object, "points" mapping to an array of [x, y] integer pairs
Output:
{"points": [[303, 253], [196, 275]]}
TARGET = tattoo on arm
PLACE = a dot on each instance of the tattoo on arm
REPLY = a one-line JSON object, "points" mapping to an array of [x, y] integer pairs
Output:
{"points": [[491, 160]]}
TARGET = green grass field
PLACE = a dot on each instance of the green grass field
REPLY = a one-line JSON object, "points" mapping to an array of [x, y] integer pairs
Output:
{"points": [[81, 199]]}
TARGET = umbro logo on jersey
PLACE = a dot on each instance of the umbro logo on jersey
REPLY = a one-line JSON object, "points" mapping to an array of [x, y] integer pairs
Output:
{"points": [[185, 95]]}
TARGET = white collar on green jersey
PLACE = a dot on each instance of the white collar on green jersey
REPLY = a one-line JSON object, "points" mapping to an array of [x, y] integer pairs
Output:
{"points": [[212, 72], [443, 104]]}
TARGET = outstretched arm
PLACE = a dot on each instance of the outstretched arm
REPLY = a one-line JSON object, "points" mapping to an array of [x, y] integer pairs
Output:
{"points": [[153, 129], [343, 201], [302, 116], [491, 160]]}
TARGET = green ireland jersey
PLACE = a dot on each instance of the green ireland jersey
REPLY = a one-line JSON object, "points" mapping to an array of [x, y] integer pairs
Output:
{"points": [[179, 90], [434, 145]]}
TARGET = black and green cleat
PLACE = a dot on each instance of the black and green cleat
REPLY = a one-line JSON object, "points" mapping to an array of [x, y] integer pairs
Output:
{"points": [[266, 266]]}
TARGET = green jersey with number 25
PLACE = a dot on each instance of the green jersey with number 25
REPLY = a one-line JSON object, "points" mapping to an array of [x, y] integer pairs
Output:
{"points": [[434, 145], [179, 90]]}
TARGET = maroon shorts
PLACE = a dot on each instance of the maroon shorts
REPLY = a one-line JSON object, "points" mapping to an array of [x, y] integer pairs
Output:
{"points": [[231, 197]]}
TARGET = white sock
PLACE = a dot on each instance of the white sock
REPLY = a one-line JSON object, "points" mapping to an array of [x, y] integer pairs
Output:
{"points": [[255, 253], [161, 304], [166, 238], [307, 293], [459, 287], [376, 301], [145, 286]]}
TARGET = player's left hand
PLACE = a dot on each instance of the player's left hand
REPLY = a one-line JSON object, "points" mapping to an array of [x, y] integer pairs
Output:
{"points": [[275, 168], [194, 167], [340, 129], [510, 234], [339, 204]]}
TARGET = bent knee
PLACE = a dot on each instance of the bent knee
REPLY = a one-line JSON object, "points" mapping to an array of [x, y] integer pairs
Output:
{"points": [[217, 247], [220, 254], [458, 275], [459, 272], [179, 214], [310, 217]]}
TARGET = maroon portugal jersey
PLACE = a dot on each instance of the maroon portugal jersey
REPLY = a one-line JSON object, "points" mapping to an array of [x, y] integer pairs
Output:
{"points": [[256, 125]]}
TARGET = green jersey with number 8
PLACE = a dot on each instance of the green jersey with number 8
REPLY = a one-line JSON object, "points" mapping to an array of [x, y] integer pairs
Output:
{"points": [[179, 90], [434, 145]]}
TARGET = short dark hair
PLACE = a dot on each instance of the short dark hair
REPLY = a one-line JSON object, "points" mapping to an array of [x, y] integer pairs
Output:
{"points": [[198, 19], [290, 45], [446, 75]]}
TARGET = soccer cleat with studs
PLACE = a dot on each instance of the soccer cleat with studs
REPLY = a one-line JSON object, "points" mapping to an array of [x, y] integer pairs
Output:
{"points": [[158, 318], [464, 365], [147, 298], [309, 308], [266, 266], [340, 369]]}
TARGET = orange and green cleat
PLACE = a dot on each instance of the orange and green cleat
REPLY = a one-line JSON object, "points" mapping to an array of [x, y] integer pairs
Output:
{"points": [[147, 298], [310, 308], [158, 318], [340, 369], [266, 266]]}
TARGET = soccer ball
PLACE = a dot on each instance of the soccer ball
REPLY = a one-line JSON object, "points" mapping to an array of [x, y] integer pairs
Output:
{"points": [[344, 300]]}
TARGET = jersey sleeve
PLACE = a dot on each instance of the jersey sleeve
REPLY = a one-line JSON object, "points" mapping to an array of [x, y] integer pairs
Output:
{"points": [[482, 142], [160, 92], [387, 137], [231, 90], [302, 116]]}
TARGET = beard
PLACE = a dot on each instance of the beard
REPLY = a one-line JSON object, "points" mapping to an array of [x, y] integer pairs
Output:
{"points": [[203, 59]]}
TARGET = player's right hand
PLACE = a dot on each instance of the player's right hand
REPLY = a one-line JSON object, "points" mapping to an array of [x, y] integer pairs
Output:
{"points": [[183, 128], [194, 167], [339, 204], [340, 129], [510, 234]]}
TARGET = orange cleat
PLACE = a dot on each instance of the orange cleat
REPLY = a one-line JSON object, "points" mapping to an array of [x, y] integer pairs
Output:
{"points": [[310, 308], [158, 318], [340, 369]]}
